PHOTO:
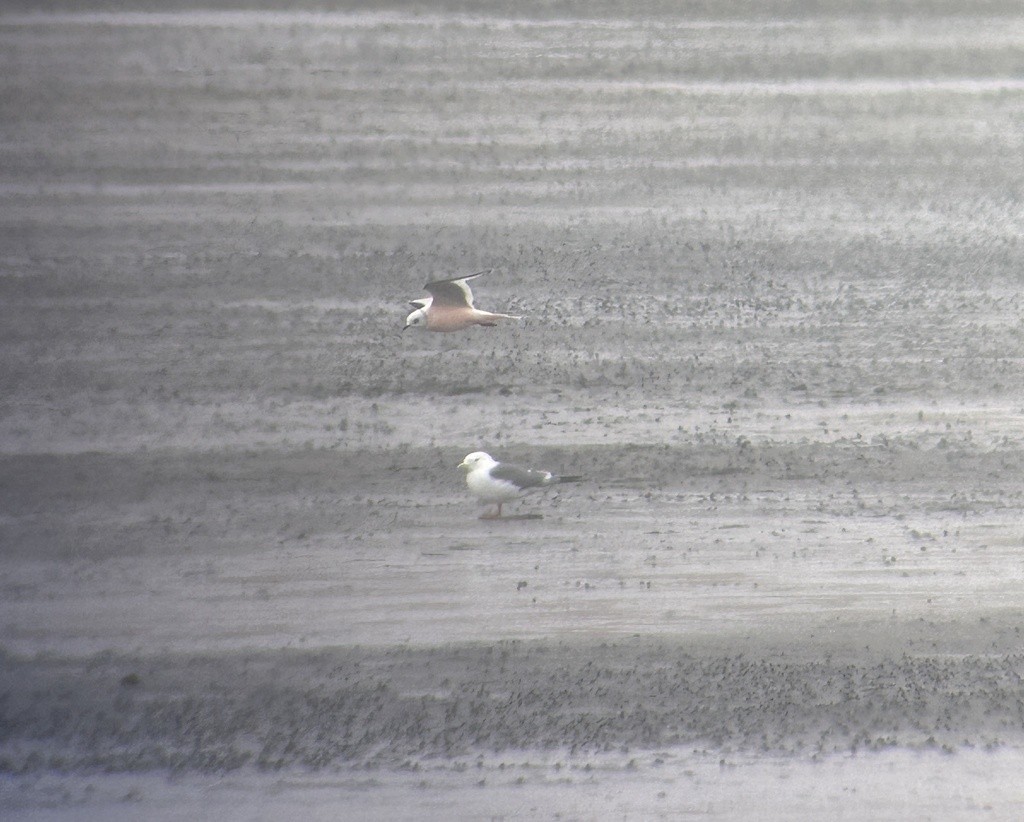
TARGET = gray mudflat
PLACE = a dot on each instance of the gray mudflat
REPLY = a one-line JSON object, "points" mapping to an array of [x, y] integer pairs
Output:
{"points": [[770, 266]]}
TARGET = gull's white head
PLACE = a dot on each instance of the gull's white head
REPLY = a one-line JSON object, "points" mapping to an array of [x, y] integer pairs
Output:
{"points": [[417, 319], [478, 459]]}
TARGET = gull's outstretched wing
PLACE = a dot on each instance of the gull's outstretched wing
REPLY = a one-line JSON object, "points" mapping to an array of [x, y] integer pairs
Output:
{"points": [[453, 293]]}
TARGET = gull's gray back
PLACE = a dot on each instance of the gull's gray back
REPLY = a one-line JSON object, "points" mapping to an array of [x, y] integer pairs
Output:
{"points": [[521, 477]]}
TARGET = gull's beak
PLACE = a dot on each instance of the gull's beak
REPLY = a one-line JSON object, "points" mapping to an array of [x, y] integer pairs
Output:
{"points": [[463, 465]]}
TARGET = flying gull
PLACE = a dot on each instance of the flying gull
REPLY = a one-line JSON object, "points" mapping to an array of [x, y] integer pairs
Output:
{"points": [[450, 307], [499, 482]]}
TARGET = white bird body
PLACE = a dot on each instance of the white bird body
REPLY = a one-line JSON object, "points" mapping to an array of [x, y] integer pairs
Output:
{"points": [[497, 482]]}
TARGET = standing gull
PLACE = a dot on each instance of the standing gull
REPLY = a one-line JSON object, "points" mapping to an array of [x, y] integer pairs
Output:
{"points": [[499, 482], [450, 307]]}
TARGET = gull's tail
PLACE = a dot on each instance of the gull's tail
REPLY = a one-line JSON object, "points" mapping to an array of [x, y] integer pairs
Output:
{"points": [[489, 317], [568, 478]]}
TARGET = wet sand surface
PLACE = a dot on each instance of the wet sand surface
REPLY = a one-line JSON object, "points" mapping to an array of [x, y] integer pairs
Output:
{"points": [[770, 266]]}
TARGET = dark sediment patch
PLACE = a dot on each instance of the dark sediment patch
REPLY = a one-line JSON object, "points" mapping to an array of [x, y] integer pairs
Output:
{"points": [[396, 707]]}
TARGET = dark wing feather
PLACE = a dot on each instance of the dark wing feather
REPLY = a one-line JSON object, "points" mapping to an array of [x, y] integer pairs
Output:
{"points": [[522, 478], [454, 292]]}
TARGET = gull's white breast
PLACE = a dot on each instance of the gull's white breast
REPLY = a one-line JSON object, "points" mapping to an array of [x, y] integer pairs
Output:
{"points": [[483, 485]]}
